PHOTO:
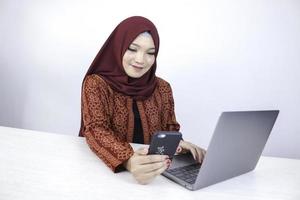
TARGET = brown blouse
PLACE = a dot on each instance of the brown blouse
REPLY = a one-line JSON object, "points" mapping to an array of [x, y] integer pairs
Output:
{"points": [[108, 119]]}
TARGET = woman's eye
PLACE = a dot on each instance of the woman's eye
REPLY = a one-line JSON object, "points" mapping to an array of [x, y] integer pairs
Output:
{"points": [[151, 53], [131, 49]]}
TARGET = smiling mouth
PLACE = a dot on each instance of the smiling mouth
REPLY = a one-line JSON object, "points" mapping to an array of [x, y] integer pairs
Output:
{"points": [[136, 67]]}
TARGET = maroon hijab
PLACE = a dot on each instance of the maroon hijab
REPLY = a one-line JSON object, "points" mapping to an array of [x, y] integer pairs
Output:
{"points": [[108, 62]]}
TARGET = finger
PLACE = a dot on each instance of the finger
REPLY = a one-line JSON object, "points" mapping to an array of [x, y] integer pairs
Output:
{"points": [[144, 178], [160, 170], [152, 159], [179, 149], [156, 172], [185, 146], [203, 153], [194, 153], [147, 168], [199, 154]]}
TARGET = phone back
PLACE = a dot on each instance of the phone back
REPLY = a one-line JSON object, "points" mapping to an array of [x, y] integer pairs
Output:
{"points": [[165, 143]]}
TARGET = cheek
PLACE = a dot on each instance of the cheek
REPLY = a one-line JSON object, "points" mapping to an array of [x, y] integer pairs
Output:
{"points": [[126, 59], [150, 61]]}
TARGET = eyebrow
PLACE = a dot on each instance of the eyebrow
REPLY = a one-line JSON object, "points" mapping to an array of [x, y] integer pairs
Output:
{"points": [[140, 46]]}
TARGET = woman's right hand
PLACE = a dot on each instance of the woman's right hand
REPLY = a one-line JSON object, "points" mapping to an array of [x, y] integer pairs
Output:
{"points": [[145, 168]]}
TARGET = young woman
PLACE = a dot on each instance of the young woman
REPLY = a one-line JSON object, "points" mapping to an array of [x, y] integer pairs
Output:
{"points": [[123, 101]]}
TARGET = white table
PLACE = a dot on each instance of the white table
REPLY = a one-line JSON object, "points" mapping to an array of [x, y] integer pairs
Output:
{"points": [[38, 165]]}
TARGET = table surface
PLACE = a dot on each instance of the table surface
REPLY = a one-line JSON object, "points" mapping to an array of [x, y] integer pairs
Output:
{"points": [[40, 165]]}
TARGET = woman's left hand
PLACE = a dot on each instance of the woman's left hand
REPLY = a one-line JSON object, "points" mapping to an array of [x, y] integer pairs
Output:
{"points": [[197, 152]]}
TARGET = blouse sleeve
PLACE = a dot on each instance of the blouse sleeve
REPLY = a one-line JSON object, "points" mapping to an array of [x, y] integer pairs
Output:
{"points": [[97, 127], [171, 123]]}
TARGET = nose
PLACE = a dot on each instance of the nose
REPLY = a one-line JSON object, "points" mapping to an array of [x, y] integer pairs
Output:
{"points": [[139, 58]]}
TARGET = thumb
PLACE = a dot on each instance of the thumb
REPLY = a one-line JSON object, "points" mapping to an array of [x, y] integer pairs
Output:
{"points": [[142, 151]]}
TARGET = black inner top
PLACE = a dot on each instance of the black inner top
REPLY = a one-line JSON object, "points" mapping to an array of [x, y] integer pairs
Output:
{"points": [[138, 134]]}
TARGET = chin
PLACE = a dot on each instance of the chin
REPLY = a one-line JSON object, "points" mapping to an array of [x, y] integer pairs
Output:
{"points": [[135, 75]]}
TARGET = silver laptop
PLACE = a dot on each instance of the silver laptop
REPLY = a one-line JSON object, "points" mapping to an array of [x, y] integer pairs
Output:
{"points": [[235, 148]]}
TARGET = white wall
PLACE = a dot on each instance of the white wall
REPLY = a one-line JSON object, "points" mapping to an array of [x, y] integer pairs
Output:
{"points": [[218, 55]]}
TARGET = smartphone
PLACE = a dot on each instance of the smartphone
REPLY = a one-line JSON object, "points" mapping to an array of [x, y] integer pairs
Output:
{"points": [[165, 143]]}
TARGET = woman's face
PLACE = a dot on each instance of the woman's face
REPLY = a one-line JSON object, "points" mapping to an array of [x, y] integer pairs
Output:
{"points": [[140, 56]]}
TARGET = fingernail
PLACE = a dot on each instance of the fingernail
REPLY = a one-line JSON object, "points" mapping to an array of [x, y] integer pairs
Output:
{"points": [[168, 162], [178, 149]]}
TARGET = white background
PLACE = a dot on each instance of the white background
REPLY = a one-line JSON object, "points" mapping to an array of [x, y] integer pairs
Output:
{"points": [[217, 55]]}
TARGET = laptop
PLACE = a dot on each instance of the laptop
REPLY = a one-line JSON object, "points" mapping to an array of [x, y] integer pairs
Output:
{"points": [[235, 148]]}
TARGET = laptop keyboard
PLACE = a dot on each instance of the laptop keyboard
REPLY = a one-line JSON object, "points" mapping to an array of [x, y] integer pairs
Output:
{"points": [[187, 173]]}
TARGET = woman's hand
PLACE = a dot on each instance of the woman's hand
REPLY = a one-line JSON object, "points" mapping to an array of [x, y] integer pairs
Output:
{"points": [[197, 152], [145, 168]]}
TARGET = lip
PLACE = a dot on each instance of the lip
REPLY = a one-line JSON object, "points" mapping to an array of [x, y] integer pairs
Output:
{"points": [[137, 67]]}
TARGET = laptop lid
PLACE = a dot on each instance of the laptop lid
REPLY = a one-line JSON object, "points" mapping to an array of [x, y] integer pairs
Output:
{"points": [[237, 143]]}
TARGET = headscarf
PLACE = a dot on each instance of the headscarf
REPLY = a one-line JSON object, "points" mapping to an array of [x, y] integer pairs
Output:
{"points": [[108, 62]]}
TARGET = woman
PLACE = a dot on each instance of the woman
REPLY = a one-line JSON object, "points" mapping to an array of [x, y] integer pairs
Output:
{"points": [[124, 101]]}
